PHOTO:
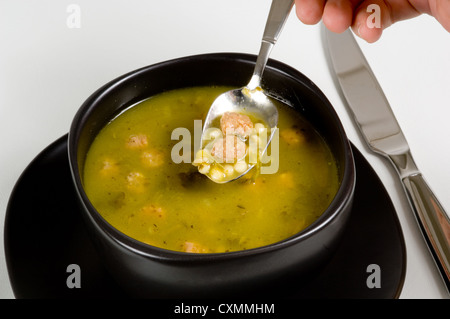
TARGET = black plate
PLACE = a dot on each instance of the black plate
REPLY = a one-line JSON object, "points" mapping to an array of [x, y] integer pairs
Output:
{"points": [[44, 234]]}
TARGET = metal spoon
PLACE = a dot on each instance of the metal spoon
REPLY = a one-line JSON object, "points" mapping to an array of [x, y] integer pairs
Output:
{"points": [[251, 99]]}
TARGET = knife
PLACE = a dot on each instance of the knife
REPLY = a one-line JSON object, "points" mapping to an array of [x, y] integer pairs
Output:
{"points": [[376, 121]]}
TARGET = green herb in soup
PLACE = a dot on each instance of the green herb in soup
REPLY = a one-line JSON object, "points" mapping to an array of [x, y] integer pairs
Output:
{"points": [[133, 182]]}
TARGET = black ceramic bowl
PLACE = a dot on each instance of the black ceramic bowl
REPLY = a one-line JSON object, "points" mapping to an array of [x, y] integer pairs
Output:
{"points": [[146, 271]]}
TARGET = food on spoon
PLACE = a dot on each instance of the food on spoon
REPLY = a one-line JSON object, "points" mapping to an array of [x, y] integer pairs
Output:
{"points": [[237, 124], [239, 143], [229, 149]]}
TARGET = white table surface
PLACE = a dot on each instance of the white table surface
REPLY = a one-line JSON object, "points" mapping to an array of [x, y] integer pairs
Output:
{"points": [[48, 69]]}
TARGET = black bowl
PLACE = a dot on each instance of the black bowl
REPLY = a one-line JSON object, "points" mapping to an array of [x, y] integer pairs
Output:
{"points": [[147, 271]]}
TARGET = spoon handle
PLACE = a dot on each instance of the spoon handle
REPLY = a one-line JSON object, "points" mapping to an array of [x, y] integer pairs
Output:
{"points": [[278, 14]]}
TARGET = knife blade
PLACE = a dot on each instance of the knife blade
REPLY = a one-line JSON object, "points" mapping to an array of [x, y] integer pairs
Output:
{"points": [[380, 129]]}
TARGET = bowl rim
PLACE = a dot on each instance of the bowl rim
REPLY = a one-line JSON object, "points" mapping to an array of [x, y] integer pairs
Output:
{"points": [[340, 201]]}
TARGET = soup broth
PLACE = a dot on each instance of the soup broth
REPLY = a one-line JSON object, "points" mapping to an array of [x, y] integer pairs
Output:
{"points": [[132, 181]]}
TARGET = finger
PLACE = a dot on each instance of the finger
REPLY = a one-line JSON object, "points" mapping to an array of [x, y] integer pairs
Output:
{"points": [[371, 17], [441, 11], [309, 11], [338, 15]]}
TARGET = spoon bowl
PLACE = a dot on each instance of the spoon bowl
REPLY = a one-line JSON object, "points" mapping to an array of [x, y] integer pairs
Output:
{"points": [[246, 101]]}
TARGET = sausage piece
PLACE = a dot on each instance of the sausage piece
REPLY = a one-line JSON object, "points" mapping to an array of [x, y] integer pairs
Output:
{"points": [[236, 124], [229, 149], [152, 158], [139, 141], [191, 247]]}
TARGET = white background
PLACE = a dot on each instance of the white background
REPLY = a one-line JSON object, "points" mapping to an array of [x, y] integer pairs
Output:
{"points": [[47, 70]]}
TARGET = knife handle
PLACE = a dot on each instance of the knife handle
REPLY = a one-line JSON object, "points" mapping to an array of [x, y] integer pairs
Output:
{"points": [[433, 221]]}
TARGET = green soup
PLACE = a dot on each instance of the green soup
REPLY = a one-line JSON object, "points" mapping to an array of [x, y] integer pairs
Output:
{"points": [[132, 180]]}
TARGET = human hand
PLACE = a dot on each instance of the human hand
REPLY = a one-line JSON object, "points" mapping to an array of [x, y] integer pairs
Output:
{"points": [[361, 15]]}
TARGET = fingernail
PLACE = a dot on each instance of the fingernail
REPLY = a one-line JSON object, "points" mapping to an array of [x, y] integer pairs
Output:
{"points": [[358, 29]]}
